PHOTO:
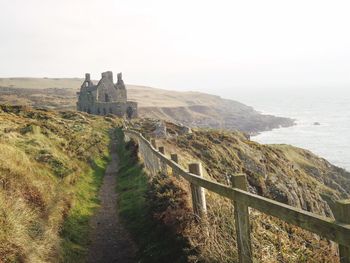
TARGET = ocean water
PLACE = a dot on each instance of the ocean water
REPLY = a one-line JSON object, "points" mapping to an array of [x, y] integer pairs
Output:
{"points": [[329, 107]]}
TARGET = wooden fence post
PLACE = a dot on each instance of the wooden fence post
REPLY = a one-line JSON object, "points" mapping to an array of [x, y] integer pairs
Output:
{"points": [[241, 213], [198, 195], [161, 150], [163, 165], [175, 158], [341, 212], [154, 143]]}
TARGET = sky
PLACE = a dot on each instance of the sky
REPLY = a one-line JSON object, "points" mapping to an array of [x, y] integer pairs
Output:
{"points": [[212, 46]]}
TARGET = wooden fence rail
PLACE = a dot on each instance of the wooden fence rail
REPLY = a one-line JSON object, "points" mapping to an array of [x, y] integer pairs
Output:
{"points": [[337, 230]]}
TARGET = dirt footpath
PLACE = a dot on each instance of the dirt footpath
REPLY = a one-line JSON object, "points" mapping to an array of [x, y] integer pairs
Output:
{"points": [[110, 242]]}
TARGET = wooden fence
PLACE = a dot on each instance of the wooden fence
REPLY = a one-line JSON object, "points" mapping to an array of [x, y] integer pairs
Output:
{"points": [[337, 230]]}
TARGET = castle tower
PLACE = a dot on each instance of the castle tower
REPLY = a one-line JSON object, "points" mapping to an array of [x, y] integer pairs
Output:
{"points": [[107, 75], [87, 82], [121, 89]]}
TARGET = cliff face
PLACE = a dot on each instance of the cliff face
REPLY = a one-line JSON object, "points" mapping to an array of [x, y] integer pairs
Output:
{"points": [[197, 109], [280, 172], [227, 114], [193, 109]]}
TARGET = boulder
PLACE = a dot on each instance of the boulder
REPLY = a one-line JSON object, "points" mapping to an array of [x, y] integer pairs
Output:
{"points": [[185, 130], [160, 130]]}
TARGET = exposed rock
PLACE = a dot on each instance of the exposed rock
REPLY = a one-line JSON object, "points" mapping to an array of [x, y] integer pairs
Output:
{"points": [[281, 172], [30, 128], [218, 114], [160, 130], [185, 130]]}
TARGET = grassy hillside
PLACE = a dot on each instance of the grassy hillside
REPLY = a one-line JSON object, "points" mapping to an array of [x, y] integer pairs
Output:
{"points": [[280, 172], [194, 109], [50, 169]]}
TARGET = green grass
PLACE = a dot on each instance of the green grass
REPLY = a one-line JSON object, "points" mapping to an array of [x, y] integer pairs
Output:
{"points": [[155, 241], [76, 226]]}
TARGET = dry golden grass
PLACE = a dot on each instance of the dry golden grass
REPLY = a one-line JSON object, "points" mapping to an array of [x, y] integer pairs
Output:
{"points": [[43, 157]]}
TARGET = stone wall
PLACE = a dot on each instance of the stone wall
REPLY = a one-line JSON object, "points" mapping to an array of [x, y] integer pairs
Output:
{"points": [[106, 91], [121, 95], [86, 100], [133, 106], [103, 108], [106, 97]]}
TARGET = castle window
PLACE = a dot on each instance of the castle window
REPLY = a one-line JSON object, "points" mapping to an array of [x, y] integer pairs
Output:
{"points": [[104, 111], [129, 112], [106, 98]]}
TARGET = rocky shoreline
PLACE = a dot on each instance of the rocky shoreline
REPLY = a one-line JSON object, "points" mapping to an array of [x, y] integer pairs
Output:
{"points": [[247, 120]]}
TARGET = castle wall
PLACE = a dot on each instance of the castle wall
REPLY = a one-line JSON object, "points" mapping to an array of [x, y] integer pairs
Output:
{"points": [[106, 98], [121, 95], [104, 108], [86, 100], [106, 91], [133, 106]]}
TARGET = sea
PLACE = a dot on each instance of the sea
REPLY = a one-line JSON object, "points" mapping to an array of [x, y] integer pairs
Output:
{"points": [[322, 118]]}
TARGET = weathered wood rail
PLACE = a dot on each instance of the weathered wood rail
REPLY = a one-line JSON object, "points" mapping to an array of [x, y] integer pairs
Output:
{"points": [[337, 230]]}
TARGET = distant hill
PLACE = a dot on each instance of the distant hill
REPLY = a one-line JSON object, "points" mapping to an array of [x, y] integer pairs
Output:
{"points": [[41, 83], [194, 109]]}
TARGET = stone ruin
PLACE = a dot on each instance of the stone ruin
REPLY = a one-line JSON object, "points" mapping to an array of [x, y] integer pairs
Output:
{"points": [[106, 97]]}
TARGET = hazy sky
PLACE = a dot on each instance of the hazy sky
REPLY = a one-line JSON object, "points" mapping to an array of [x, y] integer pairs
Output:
{"points": [[184, 44]]}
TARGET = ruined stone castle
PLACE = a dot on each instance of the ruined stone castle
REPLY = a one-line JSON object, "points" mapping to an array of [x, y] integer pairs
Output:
{"points": [[106, 97]]}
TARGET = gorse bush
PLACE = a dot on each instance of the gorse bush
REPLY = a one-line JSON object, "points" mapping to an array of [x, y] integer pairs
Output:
{"points": [[169, 203]]}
